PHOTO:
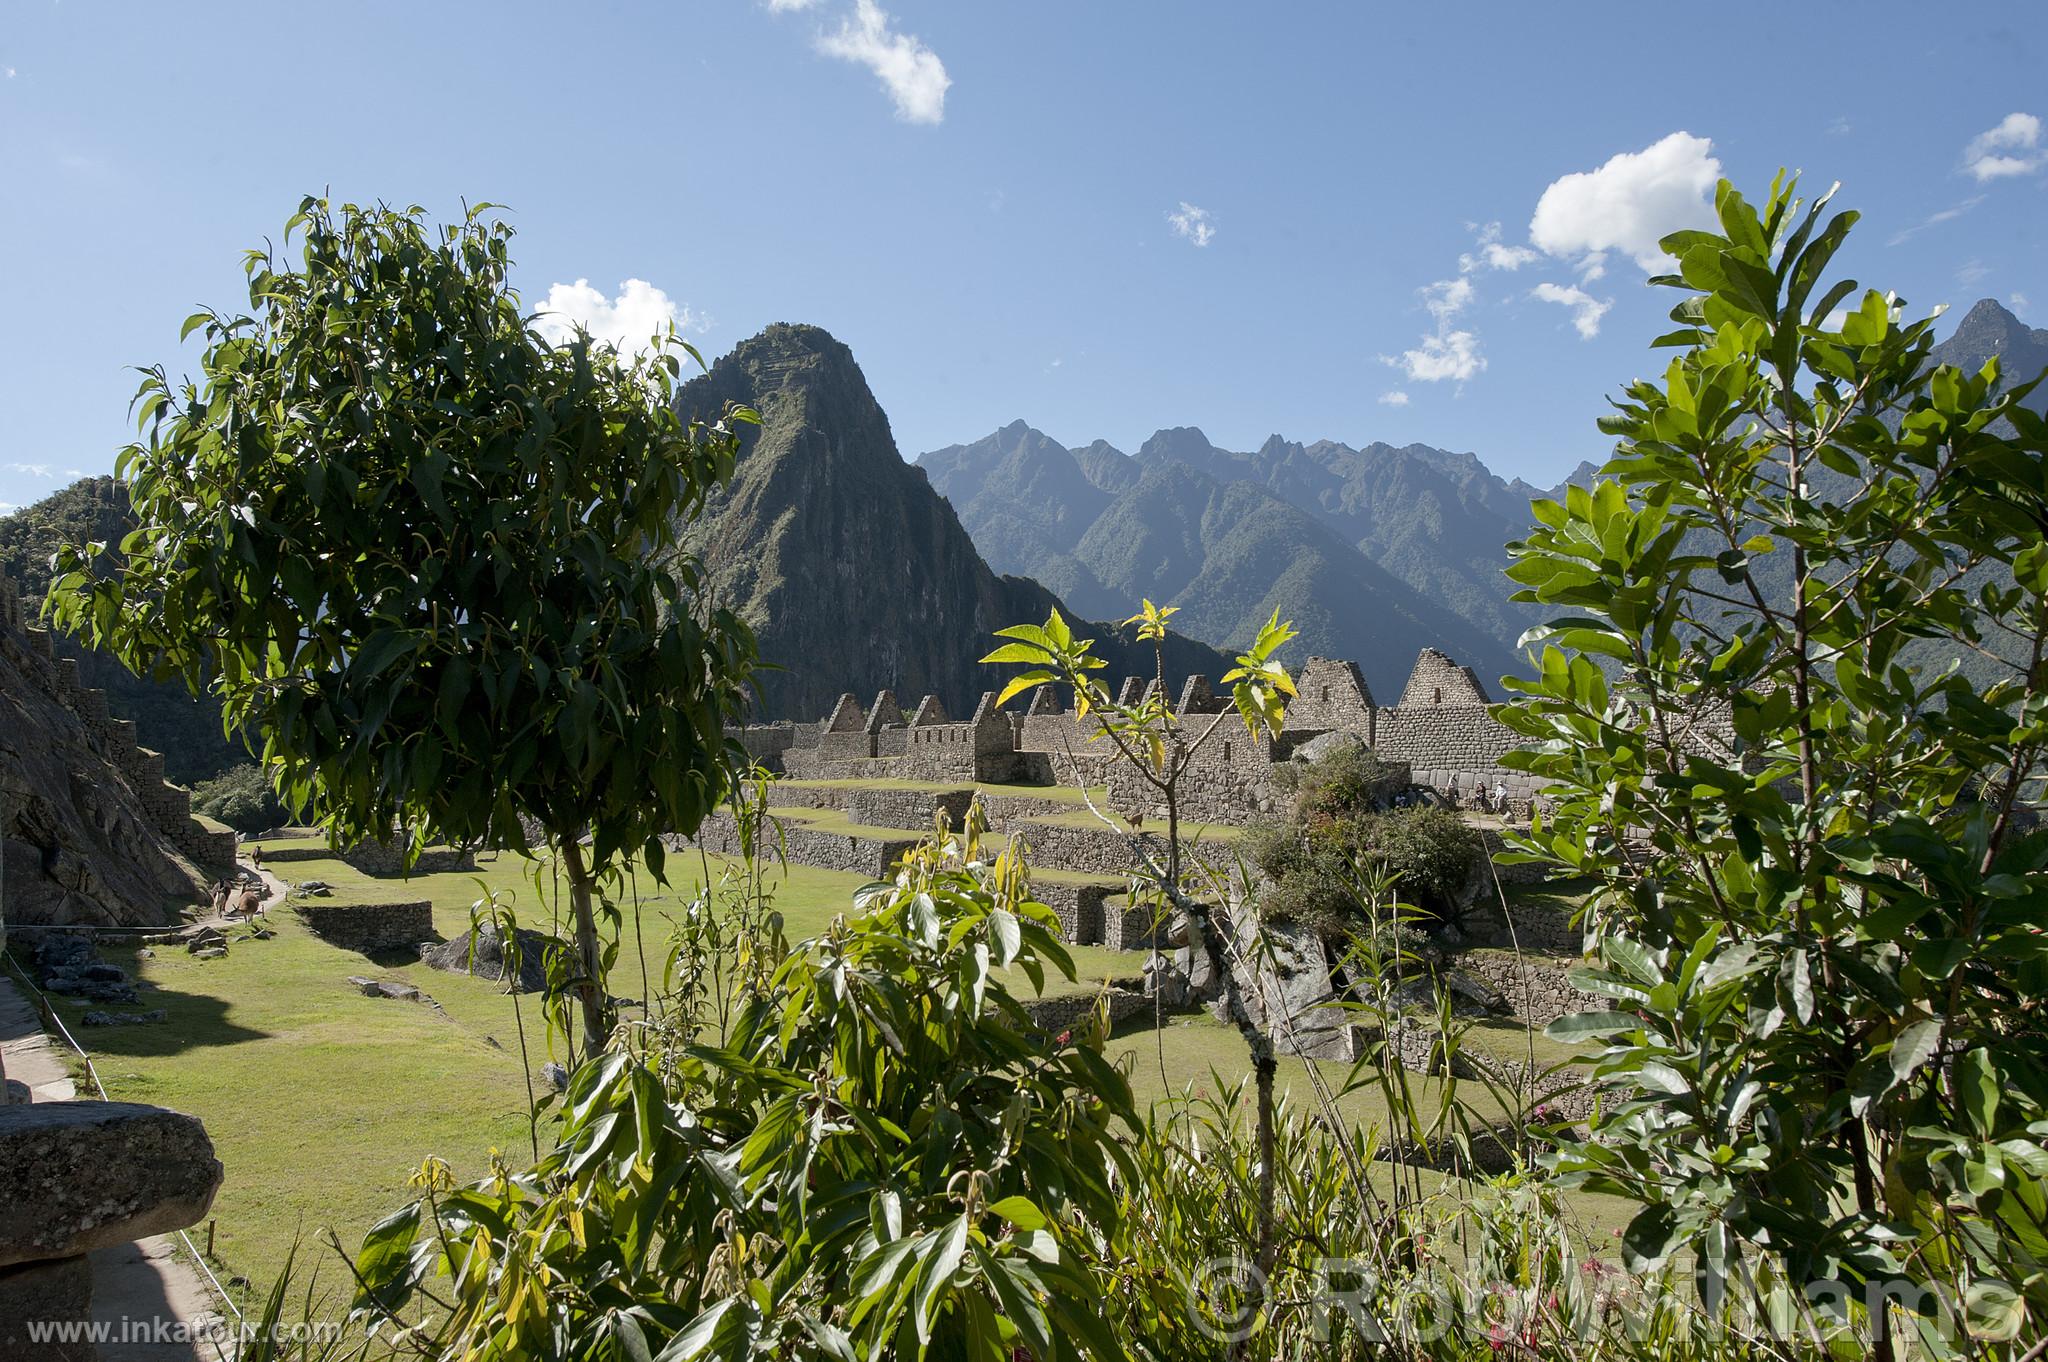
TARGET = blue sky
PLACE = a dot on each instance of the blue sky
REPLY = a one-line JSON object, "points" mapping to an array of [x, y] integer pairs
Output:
{"points": [[1103, 216]]}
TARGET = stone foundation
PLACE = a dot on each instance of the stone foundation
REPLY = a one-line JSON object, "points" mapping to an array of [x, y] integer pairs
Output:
{"points": [[370, 928]]}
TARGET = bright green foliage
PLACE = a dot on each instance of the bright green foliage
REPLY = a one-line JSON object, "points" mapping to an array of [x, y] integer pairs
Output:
{"points": [[882, 1159], [421, 551], [240, 798], [1819, 918]]}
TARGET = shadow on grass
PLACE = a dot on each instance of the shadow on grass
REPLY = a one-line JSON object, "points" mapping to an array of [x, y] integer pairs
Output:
{"points": [[194, 1020]]}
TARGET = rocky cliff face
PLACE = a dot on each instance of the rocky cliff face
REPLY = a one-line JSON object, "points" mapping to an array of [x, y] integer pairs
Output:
{"points": [[89, 832], [854, 573]]}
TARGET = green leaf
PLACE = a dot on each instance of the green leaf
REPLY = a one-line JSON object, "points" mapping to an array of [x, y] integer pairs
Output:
{"points": [[1020, 1211], [938, 1269], [1993, 1311], [1914, 1047], [1581, 1026]]}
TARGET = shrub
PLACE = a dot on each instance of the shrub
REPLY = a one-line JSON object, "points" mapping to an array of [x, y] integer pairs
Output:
{"points": [[883, 1157], [1432, 850], [241, 798], [1309, 860], [1817, 916], [1349, 780]]}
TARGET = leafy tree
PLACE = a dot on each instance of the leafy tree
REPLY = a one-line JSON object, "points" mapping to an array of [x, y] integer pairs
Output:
{"points": [[1159, 747], [1820, 909], [882, 1157], [420, 551], [240, 798]]}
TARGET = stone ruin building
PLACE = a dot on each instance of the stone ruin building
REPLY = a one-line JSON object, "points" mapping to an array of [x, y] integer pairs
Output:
{"points": [[860, 786], [1440, 730]]}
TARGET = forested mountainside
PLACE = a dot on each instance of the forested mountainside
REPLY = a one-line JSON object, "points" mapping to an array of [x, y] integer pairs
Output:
{"points": [[1366, 547], [1374, 553]]}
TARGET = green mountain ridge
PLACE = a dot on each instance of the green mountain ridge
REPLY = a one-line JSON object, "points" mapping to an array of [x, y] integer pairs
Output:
{"points": [[1226, 535], [1373, 553]]}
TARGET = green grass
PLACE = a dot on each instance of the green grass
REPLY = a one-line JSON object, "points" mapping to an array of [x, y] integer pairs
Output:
{"points": [[1197, 1049], [321, 1101], [836, 820]]}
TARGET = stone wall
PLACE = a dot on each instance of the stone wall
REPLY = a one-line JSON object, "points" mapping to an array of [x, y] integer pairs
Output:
{"points": [[1537, 987], [1057, 1014], [1437, 680], [371, 928], [1230, 778], [387, 859], [870, 856], [765, 743], [906, 808], [1330, 693]]}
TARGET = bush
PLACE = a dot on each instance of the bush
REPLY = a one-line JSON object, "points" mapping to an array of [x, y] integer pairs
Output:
{"points": [[1348, 780], [1310, 858], [241, 798], [1432, 850]]}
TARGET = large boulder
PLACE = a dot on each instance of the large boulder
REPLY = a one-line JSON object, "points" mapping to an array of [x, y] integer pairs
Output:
{"points": [[1283, 982], [84, 1175], [483, 954]]}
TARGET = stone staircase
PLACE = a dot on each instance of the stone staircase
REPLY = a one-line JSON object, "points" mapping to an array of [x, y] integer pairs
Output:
{"points": [[168, 807]]}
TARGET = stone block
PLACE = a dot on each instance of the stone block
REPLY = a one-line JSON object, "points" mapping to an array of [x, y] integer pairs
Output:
{"points": [[369, 927], [83, 1175]]}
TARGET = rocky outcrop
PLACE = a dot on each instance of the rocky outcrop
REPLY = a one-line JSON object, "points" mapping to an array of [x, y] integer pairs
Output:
{"points": [[483, 954], [853, 572], [89, 831]]}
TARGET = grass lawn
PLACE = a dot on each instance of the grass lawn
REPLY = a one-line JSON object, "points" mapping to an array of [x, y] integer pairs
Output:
{"points": [[321, 1101]]}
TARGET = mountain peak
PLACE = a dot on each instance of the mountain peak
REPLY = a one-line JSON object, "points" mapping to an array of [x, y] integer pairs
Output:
{"points": [[1178, 442], [1990, 323]]}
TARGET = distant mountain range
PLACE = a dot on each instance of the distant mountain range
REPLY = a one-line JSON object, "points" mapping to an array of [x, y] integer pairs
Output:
{"points": [[1373, 551], [857, 574]]}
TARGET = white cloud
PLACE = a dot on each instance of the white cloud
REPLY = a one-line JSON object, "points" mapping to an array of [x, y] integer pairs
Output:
{"points": [[1396, 398], [1935, 220], [911, 72], [33, 470], [1971, 272], [1586, 309], [10, 73], [1446, 298], [1195, 224], [628, 322], [1630, 203], [1494, 254], [786, 6], [2011, 148], [1448, 354], [2019, 303], [1841, 127]]}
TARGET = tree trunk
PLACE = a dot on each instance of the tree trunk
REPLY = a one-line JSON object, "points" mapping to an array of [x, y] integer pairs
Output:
{"points": [[597, 1018]]}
